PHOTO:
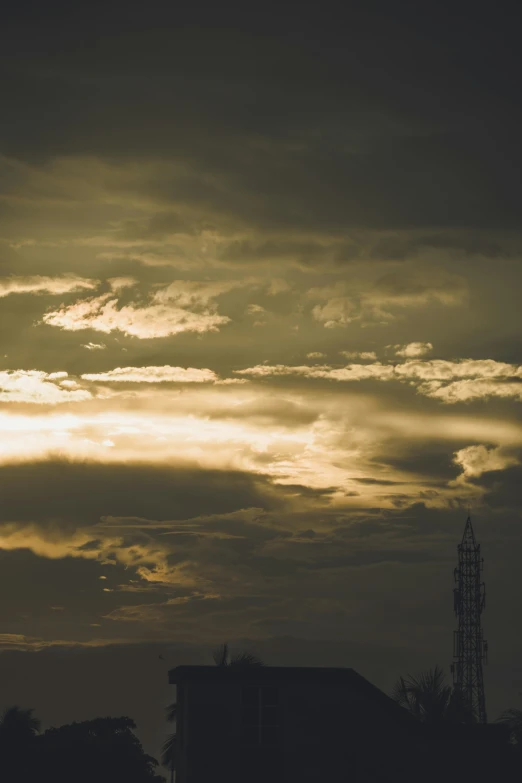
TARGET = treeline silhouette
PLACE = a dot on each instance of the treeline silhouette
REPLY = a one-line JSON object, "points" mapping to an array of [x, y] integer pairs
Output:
{"points": [[107, 750], [104, 750]]}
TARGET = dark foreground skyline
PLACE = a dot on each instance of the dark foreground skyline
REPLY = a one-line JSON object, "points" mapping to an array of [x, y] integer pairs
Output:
{"points": [[260, 342]]}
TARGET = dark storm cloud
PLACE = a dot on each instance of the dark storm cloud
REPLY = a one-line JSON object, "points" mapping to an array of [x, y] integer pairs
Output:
{"points": [[74, 494], [503, 489], [382, 482], [432, 461], [35, 584], [379, 127], [63, 599]]}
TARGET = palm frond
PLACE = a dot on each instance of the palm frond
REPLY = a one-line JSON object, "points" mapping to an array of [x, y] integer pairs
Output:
{"points": [[221, 655], [513, 717], [169, 752], [245, 659], [171, 712], [400, 693], [426, 696]]}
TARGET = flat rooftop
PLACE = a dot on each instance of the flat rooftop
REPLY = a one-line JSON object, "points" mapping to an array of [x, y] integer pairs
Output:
{"points": [[290, 674]]}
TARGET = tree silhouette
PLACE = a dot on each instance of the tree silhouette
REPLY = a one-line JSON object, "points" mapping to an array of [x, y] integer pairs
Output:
{"points": [[18, 724], [430, 699], [104, 750], [18, 733]]}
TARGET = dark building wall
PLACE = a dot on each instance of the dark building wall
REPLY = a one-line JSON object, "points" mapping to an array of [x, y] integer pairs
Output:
{"points": [[326, 733], [319, 726], [210, 742], [337, 735]]}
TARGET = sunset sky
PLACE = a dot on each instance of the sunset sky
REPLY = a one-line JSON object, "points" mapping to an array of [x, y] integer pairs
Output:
{"points": [[260, 341]]}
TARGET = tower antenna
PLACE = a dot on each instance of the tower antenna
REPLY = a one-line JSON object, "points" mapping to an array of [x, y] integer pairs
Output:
{"points": [[470, 649]]}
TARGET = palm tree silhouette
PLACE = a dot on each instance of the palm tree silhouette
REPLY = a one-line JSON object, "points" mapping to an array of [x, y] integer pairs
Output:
{"points": [[430, 699], [222, 657]]}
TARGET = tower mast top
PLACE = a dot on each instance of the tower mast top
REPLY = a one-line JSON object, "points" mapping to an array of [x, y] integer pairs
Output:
{"points": [[468, 537]]}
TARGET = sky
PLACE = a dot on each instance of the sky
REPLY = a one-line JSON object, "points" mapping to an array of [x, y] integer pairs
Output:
{"points": [[260, 343]]}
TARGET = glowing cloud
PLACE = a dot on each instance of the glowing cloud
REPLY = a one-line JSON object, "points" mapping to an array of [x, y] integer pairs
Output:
{"points": [[183, 306], [94, 346], [413, 350], [38, 284], [34, 386], [476, 460], [479, 376], [165, 374], [471, 389]]}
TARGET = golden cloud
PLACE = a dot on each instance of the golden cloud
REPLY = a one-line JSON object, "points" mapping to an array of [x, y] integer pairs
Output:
{"points": [[36, 387], [165, 374], [40, 284]]}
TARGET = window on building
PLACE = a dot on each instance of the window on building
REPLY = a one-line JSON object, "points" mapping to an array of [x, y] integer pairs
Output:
{"points": [[260, 717]]}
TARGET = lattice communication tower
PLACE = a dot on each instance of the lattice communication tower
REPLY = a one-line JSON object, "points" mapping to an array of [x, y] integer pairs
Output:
{"points": [[470, 649]]}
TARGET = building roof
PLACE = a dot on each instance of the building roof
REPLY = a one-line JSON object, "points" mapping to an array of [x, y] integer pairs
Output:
{"points": [[292, 675]]}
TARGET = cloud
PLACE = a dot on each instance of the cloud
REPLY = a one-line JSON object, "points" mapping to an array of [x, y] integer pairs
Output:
{"points": [[165, 374], [468, 390], [40, 284], [255, 309], [338, 311], [34, 386], [377, 303], [315, 355], [163, 542], [480, 376], [369, 355], [464, 368], [118, 283], [476, 460], [183, 306], [95, 346], [15, 641], [413, 350], [420, 370], [68, 495], [412, 288], [353, 372]]}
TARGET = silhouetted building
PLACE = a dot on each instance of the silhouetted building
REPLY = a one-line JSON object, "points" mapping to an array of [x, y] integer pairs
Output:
{"points": [[275, 724]]}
